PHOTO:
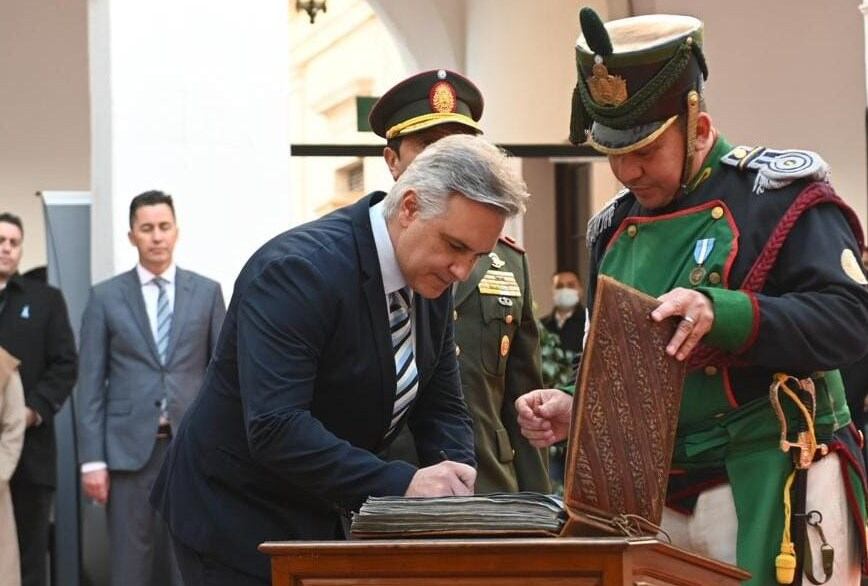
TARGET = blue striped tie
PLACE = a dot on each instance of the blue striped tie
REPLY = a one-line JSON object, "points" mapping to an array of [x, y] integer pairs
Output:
{"points": [[164, 319], [407, 376]]}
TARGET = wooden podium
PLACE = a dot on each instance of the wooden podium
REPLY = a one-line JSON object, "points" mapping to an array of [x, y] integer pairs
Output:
{"points": [[607, 561]]}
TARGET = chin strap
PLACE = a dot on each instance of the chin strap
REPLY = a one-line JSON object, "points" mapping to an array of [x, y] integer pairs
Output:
{"points": [[690, 138]]}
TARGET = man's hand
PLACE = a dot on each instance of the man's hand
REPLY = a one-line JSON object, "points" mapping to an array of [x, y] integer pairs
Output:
{"points": [[544, 416], [697, 318], [96, 485], [32, 417], [443, 479]]}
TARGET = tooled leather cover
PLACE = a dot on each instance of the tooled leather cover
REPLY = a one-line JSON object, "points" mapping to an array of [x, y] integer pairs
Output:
{"points": [[625, 413]]}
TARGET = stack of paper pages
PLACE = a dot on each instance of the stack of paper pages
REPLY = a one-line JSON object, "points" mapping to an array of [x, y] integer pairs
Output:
{"points": [[523, 513]]}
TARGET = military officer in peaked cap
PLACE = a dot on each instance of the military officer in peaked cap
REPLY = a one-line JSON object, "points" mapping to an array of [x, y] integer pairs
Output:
{"points": [[495, 330], [754, 252]]}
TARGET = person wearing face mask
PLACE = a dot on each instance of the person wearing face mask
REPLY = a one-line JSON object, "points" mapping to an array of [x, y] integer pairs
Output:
{"points": [[567, 318]]}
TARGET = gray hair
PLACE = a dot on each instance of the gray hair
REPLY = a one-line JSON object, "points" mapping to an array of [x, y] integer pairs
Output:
{"points": [[460, 164]]}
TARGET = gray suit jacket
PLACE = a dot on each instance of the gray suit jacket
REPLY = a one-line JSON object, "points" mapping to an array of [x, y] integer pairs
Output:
{"points": [[121, 379]]}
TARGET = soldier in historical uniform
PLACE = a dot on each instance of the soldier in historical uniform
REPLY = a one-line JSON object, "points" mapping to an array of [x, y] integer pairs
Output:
{"points": [[754, 252], [495, 330]]}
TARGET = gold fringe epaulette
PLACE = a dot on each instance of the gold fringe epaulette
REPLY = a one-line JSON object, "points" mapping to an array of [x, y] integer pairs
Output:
{"points": [[602, 220]]}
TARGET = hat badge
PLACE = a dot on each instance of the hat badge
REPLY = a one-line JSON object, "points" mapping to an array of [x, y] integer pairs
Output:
{"points": [[606, 89], [442, 97]]}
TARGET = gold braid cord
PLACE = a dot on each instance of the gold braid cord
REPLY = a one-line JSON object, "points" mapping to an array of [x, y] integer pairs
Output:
{"points": [[690, 138], [806, 442]]}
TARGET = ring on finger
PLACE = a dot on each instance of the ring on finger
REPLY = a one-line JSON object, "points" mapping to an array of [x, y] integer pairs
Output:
{"points": [[690, 320]]}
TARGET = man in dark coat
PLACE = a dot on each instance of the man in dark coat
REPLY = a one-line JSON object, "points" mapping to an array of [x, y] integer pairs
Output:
{"points": [[34, 327], [338, 334]]}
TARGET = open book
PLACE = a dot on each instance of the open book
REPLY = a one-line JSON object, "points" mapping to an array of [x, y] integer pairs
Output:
{"points": [[618, 454]]}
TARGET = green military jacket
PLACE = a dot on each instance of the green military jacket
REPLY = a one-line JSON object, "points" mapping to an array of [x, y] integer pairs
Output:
{"points": [[498, 353]]}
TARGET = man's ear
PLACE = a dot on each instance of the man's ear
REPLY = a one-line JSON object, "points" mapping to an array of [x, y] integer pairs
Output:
{"points": [[704, 136], [130, 238], [392, 160], [408, 209]]}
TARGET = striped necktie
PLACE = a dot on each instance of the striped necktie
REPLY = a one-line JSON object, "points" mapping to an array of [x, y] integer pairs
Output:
{"points": [[164, 319], [407, 376]]}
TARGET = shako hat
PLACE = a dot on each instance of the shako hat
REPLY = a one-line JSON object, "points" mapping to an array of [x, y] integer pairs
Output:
{"points": [[635, 76]]}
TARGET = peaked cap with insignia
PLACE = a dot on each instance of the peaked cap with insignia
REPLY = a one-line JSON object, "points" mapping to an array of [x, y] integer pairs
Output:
{"points": [[425, 100], [635, 76]]}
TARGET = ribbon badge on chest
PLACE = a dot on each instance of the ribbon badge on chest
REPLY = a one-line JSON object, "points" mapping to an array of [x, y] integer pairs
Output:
{"points": [[701, 251]]}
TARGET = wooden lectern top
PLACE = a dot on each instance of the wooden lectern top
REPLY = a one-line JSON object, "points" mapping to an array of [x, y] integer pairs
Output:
{"points": [[606, 561]]}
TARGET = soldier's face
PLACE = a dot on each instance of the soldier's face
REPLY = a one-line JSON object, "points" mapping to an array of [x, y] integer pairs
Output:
{"points": [[653, 173], [413, 144], [10, 249], [435, 252]]}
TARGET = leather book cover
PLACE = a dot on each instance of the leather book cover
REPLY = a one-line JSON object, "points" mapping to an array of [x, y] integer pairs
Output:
{"points": [[625, 413]]}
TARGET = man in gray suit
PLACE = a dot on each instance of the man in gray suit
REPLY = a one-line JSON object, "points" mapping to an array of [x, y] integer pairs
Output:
{"points": [[146, 338]]}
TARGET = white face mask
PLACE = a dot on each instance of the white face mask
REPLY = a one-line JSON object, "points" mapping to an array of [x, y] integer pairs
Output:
{"points": [[566, 298]]}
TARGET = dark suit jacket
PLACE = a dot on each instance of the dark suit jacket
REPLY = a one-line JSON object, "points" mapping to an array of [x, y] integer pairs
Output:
{"points": [[282, 438], [34, 327]]}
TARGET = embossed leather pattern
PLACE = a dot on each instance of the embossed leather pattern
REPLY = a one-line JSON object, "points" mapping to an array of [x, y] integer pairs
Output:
{"points": [[625, 413]]}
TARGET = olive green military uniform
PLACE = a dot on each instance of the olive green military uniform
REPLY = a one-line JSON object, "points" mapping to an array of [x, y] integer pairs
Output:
{"points": [[498, 345]]}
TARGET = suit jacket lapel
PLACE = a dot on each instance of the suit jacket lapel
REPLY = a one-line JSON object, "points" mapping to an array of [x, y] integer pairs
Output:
{"points": [[136, 302], [183, 295], [375, 299]]}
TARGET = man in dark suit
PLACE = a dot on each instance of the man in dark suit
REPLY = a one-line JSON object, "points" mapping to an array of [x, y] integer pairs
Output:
{"points": [[146, 338], [567, 318], [495, 332], [34, 327], [339, 333]]}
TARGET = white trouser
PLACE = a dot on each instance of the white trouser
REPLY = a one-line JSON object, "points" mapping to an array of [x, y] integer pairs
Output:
{"points": [[712, 528]]}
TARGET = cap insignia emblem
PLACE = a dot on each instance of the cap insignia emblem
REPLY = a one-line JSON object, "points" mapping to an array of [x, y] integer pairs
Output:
{"points": [[442, 97], [608, 90]]}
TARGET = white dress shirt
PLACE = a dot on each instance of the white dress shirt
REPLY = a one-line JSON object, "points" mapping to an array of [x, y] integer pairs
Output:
{"points": [[150, 292], [393, 278]]}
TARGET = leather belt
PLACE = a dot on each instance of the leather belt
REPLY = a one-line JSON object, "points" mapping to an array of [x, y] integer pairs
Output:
{"points": [[164, 431]]}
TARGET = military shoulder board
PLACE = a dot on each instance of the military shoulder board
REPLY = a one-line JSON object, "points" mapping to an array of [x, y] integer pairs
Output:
{"points": [[776, 169], [603, 219]]}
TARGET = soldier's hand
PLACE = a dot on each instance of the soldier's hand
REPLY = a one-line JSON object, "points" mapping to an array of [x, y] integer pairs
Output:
{"points": [[544, 416], [96, 485], [443, 479], [697, 313]]}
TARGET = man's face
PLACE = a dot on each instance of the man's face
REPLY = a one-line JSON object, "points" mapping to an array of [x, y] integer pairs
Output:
{"points": [[154, 234], [566, 280], [413, 144], [10, 249], [433, 253], [653, 173]]}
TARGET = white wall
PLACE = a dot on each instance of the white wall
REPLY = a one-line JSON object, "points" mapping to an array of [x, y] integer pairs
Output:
{"points": [[191, 97], [44, 115], [539, 232]]}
